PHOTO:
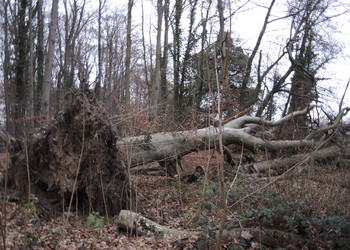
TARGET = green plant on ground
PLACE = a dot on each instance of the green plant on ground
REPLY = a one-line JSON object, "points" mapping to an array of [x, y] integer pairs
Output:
{"points": [[95, 220], [30, 206]]}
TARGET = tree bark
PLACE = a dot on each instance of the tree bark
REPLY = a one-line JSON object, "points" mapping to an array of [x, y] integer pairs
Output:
{"points": [[176, 56], [21, 68], [49, 59], [164, 61], [281, 165], [149, 148], [244, 100], [128, 58]]}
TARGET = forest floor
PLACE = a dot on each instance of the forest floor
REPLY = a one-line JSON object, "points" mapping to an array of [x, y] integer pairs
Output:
{"points": [[312, 202]]}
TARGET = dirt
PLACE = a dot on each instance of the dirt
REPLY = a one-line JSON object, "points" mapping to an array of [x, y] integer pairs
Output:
{"points": [[74, 154]]}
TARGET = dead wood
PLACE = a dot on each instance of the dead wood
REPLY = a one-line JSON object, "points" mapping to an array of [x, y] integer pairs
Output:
{"points": [[136, 223], [80, 137], [282, 164], [169, 146]]}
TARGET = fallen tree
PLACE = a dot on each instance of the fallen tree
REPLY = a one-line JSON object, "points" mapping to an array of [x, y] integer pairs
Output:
{"points": [[136, 223], [79, 158], [169, 146], [281, 165]]}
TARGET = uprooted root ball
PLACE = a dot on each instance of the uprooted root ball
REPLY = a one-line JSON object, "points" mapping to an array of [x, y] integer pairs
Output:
{"points": [[78, 146]]}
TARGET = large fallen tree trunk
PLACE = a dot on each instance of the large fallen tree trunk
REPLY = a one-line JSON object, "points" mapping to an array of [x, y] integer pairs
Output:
{"points": [[280, 165], [168, 145]]}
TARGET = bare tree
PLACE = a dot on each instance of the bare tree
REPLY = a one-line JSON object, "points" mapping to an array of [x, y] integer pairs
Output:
{"points": [[73, 23], [246, 98], [156, 86], [20, 65], [8, 95], [176, 53], [49, 59], [101, 4], [126, 98], [164, 59]]}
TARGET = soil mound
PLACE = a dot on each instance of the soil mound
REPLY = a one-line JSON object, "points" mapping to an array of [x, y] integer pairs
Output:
{"points": [[75, 153]]}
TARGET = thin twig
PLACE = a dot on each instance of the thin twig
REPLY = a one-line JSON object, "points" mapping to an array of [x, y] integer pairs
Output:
{"points": [[28, 169], [3, 220], [103, 196], [221, 163], [343, 97], [78, 169], [238, 169]]}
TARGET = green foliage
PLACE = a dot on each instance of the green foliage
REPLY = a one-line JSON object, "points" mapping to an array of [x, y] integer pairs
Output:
{"points": [[335, 230], [95, 220], [28, 205], [236, 247], [208, 226], [30, 241], [230, 225], [208, 205], [283, 217]]}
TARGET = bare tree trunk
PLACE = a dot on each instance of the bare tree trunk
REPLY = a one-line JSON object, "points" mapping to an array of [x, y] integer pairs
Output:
{"points": [[176, 55], [38, 87], [222, 47], [185, 64], [168, 145], [49, 59], [21, 70], [164, 60], [246, 99], [156, 87], [101, 4], [8, 95], [31, 59], [128, 58], [281, 165], [201, 81], [145, 65]]}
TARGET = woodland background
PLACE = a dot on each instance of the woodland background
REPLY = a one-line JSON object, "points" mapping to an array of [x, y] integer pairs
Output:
{"points": [[91, 92], [167, 67]]}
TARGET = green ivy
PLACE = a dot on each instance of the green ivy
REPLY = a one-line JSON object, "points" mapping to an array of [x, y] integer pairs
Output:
{"points": [[30, 206], [95, 220]]}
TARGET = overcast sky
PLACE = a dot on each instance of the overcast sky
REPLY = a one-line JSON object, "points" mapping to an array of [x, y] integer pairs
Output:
{"points": [[246, 26], [338, 71]]}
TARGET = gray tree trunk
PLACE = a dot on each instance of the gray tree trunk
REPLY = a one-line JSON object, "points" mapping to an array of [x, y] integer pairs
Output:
{"points": [[170, 145], [126, 96], [49, 59], [156, 87]]}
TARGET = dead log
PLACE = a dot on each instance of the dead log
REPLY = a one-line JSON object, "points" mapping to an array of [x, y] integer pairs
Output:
{"points": [[282, 164], [136, 223], [171, 145]]}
